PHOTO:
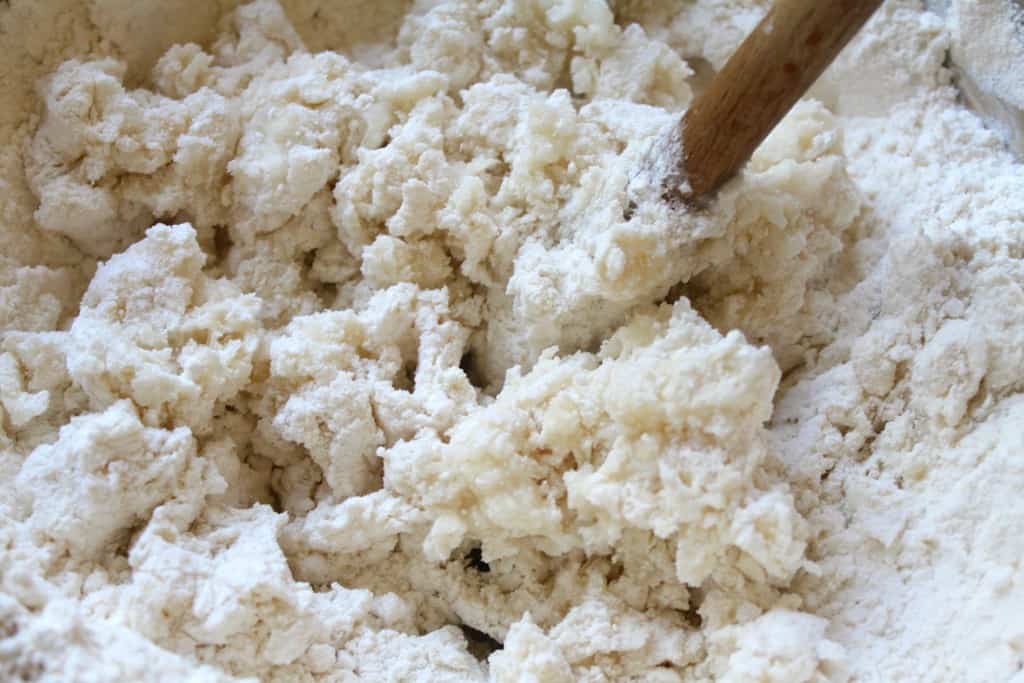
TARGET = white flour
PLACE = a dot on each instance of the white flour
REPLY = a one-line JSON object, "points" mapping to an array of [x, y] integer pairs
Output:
{"points": [[328, 354]]}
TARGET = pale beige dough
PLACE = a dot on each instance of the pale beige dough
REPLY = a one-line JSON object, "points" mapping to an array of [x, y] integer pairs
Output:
{"points": [[354, 341]]}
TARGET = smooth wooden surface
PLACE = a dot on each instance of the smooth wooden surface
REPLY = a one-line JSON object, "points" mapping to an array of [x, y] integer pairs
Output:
{"points": [[763, 79]]}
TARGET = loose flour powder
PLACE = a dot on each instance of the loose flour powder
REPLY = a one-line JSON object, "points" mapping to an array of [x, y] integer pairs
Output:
{"points": [[349, 341]]}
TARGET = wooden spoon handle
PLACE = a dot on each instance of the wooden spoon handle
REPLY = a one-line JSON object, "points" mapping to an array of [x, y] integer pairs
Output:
{"points": [[764, 78]]}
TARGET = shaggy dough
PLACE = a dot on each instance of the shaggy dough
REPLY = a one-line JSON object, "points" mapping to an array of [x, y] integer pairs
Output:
{"points": [[352, 344]]}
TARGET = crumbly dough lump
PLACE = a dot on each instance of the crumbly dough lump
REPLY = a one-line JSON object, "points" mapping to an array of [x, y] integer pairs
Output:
{"points": [[339, 346]]}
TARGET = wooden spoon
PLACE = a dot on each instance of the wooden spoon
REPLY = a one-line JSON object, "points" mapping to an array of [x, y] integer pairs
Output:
{"points": [[764, 78]]}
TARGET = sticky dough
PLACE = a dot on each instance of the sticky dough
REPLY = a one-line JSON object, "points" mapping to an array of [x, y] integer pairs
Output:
{"points": [[350, 345]]}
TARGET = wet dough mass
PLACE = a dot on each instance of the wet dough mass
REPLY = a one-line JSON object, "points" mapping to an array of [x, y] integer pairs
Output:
{"points": [[329, 353]]}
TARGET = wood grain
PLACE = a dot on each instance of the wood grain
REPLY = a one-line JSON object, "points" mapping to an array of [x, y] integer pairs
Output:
{"points": [[764, 78]]}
